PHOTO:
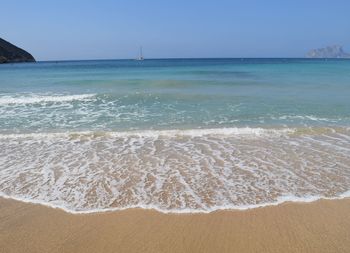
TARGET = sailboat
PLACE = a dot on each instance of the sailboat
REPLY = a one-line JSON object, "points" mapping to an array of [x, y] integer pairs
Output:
{"points": [[140, 58]]}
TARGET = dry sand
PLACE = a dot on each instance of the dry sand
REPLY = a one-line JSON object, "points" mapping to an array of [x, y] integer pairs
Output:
{"points": [[322, 226]]}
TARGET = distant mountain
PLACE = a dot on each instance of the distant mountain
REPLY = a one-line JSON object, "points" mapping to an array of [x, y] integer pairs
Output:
{"points": [[9, 53], [335, 51]]}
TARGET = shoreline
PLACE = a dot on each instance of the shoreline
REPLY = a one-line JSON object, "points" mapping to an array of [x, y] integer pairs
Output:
{"points": [[280, 201], [182, 174], [320, 226]]}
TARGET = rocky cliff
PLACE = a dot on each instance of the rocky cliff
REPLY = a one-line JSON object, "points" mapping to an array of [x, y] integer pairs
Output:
{"points": [[335, 51], [10, 53]]}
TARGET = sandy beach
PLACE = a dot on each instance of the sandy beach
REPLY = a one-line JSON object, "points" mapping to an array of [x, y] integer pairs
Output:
{"points": [[322, 226], [175, 127]]}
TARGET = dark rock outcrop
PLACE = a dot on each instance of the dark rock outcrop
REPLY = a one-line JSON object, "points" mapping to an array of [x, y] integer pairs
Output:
{"points": [[335, 51], [10, 53]]}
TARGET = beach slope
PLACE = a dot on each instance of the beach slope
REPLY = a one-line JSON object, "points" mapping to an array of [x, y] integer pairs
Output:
{"points": [[321, 226]]}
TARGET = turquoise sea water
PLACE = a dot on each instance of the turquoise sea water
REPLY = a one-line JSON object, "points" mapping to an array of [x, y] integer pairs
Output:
{"points": [[176, 135], [173, 94]]}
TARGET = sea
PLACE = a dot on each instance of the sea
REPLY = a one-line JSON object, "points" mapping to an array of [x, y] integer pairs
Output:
{"points": [[175, 135]]}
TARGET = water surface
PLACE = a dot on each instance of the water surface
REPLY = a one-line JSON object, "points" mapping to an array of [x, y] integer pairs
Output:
{"points": [[178, 135]]}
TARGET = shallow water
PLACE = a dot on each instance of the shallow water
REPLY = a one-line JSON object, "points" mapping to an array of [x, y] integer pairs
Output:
{"points": [[175, 135]]}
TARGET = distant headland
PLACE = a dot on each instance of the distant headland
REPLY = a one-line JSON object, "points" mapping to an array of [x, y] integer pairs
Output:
{"points": [[9, 53], [335, 51]]}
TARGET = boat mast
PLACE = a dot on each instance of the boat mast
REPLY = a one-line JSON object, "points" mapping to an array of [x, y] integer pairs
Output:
{"points": [[141, 56]]}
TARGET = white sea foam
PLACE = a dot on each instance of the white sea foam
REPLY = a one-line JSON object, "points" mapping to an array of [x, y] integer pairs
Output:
{"points": [[279, 201], [34, 98], [180, 171], [246, 131]]}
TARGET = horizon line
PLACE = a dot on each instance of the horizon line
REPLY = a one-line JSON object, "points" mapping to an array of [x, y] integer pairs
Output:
{"points": [[189, 58]]}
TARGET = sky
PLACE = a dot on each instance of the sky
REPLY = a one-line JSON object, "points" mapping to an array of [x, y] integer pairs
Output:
{"points": [[112, 29]]}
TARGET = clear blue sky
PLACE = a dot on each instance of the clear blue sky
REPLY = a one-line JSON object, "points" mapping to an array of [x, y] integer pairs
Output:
{"points": [[105, 29]]}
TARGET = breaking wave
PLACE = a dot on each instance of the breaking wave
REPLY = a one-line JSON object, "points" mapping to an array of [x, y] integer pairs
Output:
{"points": [[175, 171], [33, 99]]}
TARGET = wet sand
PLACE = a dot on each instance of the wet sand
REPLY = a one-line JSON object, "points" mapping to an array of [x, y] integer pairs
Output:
{"points": [[322, 226]]}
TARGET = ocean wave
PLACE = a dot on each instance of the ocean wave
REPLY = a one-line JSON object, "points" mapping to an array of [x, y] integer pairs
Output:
{"points": [[33, 99], [307, 117], [247, 131], [279, 201], [171, 133], [198, 170]]}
